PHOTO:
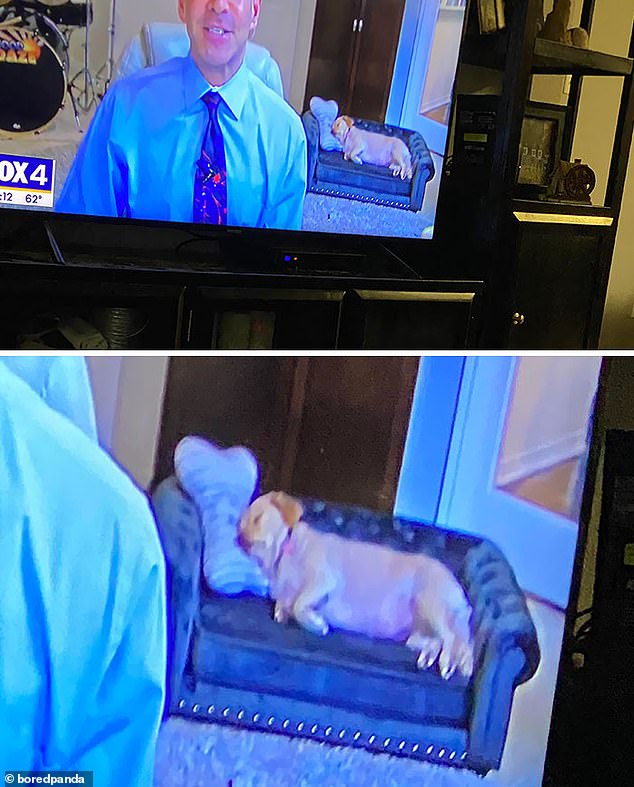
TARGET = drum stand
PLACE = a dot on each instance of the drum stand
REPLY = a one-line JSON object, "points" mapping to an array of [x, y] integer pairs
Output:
{"points": [[104, 76], [86, 96]]}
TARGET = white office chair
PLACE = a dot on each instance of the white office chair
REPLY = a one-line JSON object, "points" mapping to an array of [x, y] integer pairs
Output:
{"points": [[159, 41]]}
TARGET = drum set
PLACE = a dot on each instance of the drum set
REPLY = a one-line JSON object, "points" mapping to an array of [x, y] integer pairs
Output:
{"points": [[35, 42]]}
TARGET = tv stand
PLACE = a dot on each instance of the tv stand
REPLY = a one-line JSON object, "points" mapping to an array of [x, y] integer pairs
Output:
{"points": [[200, 301]]}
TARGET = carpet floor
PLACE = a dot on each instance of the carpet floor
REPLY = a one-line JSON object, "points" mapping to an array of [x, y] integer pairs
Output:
{"points": [[195, 754]]}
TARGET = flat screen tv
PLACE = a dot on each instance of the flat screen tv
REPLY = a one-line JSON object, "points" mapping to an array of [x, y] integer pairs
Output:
{"points": [[368, 582], [325, 116]]}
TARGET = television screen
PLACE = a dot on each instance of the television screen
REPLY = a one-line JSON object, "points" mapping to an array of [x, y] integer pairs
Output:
{"points": [[318, 115], [369, 560]]}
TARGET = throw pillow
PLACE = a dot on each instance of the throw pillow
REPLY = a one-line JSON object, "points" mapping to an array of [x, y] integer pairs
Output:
{"points": [[221, 482], [326, 112]]}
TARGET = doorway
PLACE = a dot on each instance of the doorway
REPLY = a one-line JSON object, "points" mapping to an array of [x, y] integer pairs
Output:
{"points": [[353, 53]]}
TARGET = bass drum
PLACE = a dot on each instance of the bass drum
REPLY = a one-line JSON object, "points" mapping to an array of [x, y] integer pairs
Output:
{"points": [[33, 66]]}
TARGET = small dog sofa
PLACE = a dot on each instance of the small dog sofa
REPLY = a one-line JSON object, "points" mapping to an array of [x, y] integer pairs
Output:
{"points": [[230, 663], [330, 174]]}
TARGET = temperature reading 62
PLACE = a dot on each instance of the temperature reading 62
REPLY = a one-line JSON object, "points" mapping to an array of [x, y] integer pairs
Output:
{"points": [[32, 199]]}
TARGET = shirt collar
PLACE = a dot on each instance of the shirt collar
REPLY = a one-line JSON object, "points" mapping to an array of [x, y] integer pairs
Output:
{"points": [[233, 92]]}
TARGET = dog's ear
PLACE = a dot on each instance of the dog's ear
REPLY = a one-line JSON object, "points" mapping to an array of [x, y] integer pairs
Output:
{"points": [[348, 121], [290, 508]]}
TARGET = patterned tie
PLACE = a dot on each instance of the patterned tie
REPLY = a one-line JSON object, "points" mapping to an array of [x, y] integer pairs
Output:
{"points": [[210, 184]]}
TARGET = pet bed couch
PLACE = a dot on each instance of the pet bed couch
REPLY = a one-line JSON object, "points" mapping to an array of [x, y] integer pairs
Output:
{"points": [[230, 663], [330, 174]]}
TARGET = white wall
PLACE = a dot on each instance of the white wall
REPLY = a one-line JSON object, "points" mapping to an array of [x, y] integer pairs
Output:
{"points": [[548, 414], [105, 372], [129, 394], [303, 41], [285, 29], [440, 78]]}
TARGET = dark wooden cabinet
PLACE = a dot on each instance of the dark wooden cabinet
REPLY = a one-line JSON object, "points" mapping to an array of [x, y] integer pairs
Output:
{"points": [[353, 53], [558, 270], [324, 427], [173, 310]]}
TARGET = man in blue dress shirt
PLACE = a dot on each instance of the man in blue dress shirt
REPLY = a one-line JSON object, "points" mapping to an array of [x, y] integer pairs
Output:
{"points": [[82, 616], [140, 156]]}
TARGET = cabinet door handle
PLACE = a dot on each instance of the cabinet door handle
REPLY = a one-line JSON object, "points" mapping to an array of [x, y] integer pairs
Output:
{"points": [[360, 25], [355, 25]]}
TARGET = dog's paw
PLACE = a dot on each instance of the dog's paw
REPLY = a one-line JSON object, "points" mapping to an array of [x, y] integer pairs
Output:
{"points": [[464, 659], [456, 657], [314, 623], [281, 614], [446, 663], [428, 650]]}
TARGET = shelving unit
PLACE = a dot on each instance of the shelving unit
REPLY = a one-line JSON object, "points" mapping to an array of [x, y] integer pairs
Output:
{"points": [[553, 58], [548, 262]]}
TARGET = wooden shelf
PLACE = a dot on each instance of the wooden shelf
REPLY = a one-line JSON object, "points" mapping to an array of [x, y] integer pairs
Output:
{"points": [[553, 58], [547, 212]]}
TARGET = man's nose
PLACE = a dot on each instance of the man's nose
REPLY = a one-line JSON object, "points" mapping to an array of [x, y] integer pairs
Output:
{"points": [[218, 6]]}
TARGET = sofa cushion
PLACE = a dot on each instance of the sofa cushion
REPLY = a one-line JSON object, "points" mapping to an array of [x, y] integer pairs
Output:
{"points": [[326, 113], [221, 482], [241, 646], [333, 168]]}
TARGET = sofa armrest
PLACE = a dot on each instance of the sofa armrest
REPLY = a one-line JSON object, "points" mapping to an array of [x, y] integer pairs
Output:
{"points": [[506, 650], [311, 127], [180, 532], [423, 167]]}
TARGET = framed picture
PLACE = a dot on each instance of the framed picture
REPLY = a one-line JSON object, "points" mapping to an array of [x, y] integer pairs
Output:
{"points": [[540, 146]]}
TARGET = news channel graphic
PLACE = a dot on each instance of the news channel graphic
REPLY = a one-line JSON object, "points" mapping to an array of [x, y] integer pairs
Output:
{"points": [[49, 777], [26, 181]]}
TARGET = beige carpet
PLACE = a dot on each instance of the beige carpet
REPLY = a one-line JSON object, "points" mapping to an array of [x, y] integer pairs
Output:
{"points": [[195, 754]]}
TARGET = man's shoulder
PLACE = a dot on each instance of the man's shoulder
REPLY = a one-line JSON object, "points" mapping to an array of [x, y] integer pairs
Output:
{"points": [[150, 81], [274, 108], [76, 473]]}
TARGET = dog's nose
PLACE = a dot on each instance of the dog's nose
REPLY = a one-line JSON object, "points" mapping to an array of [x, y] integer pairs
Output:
{"points": [[241, 541]]}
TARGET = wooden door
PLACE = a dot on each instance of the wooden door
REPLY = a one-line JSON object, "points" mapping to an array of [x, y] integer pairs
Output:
{"points": [[330, 428], [348, 427], [331, 53], [373, 68]]}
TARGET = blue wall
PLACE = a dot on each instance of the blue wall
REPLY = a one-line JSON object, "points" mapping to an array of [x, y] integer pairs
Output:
{"points": [[428, 438]]}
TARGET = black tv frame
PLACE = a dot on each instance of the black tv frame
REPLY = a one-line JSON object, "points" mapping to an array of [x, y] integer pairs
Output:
{"points": [[43, 236], [558, 768]]}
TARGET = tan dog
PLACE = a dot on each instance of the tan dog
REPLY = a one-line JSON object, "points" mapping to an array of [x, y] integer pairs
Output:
{"points": [[368, 147], [323, 580]]}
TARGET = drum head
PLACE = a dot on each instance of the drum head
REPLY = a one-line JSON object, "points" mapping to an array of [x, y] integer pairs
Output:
{"points": [[32, 81]]}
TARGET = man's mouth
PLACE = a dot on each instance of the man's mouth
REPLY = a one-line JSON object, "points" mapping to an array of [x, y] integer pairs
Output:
{"points": [[217, 31]]}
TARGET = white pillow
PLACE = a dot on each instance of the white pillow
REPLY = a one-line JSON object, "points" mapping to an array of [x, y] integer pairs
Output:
{"points": [[221, 482]]}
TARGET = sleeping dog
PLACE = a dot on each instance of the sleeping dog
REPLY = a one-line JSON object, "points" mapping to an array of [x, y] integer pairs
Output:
{"points": [[324, 580], [369, 147]]}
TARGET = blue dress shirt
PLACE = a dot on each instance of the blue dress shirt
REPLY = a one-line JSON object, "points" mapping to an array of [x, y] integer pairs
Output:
{"points": [[139, 155], [62, 382], [82, 618]]}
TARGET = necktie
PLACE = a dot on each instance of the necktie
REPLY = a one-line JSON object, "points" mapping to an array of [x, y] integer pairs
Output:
{"points": [[210, 184]]}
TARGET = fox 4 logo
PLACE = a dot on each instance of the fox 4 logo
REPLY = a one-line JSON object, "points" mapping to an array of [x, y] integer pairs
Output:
{"points": [[25, 172]]}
